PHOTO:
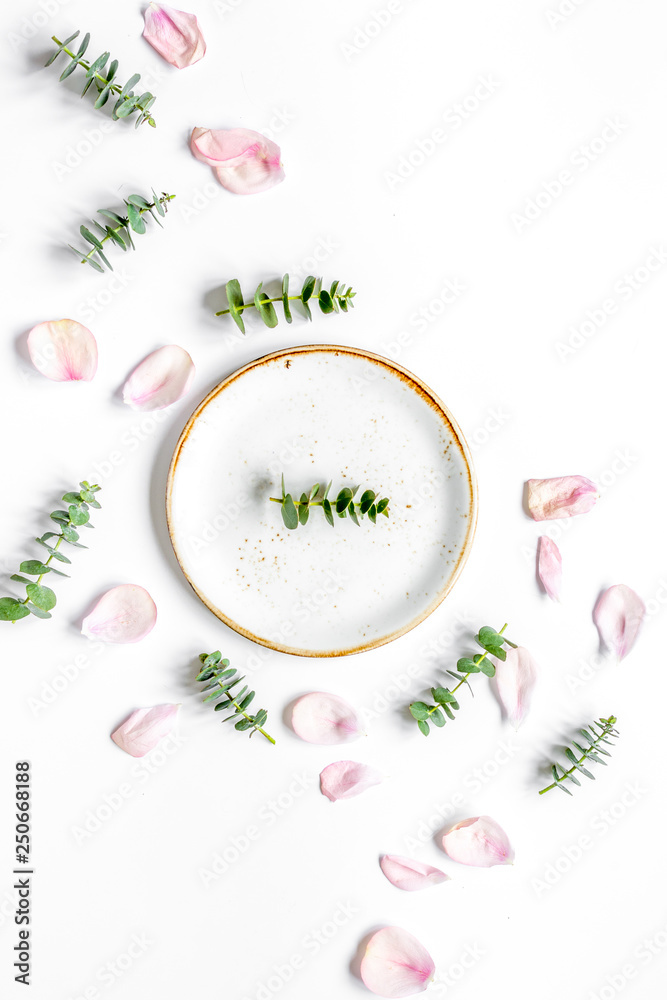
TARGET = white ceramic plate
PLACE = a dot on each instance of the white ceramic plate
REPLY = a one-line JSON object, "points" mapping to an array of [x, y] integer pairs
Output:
{"points": [[319, 413]]}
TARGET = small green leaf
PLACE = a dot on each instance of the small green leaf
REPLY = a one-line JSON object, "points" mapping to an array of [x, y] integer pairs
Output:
{"points": [[343, 499], [12, 610], [423, 727], [419, 710], [136, 221], [33, 567], [326, 507], [37, 612], [285, 293], [290, 516], [326, 304], [438, 719], [78, 515], [308, 288], [42, 597], [304, 509]]}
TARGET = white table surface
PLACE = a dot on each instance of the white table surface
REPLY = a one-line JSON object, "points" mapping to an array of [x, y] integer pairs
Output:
{"points": [[517, 94]]}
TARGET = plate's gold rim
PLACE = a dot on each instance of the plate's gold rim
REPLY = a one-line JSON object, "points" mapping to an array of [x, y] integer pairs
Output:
{"points": [[432, 398]]}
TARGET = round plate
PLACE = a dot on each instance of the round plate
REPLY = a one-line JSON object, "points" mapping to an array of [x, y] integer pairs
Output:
{"points": [[316, 414]]}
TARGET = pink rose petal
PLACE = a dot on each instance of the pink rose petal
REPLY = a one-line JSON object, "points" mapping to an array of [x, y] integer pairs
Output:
{"points": [[124, 614], [143, 729], [346, 778], [478, 841], [619, 614], [63, 350], [160, 379], [410, 875], [245, 162], [549, 566], [396, 964], [563, 496], [515, 680], [325, 718], [174, 34]]}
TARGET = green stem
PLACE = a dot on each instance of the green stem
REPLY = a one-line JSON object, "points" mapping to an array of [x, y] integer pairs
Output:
{"points": [[115, 88], [125, 225], [55, 549], [598, 739], [279, 298], [470, 672], [240, 711], [299, 503]]}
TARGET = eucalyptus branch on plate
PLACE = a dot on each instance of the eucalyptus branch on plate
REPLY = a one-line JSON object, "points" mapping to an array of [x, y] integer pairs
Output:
{"points": [[296, 512], [120, 232], [222, 682], [445, 701], [39, 600], [600, 732], [102, 77], [337, 298]]}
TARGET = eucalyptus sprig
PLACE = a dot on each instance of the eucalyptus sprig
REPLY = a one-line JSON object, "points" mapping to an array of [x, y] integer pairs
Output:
{"points": [[103, 77], [600, 732], [296, 512], [221, 680], [446, 703], [39, 600], [120, 232], [336, 299]]}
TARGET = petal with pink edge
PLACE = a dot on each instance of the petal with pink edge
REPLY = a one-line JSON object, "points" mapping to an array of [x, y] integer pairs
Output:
{"points": [[396, 964], [174, 34], [142, 730], [479, 842], [619, 614], [562, 496], [63, 350], [410, 875], [347, 778], [325, 719], [245, 162], [160, 379], [515, 680], [549, 566], [124, 614]]}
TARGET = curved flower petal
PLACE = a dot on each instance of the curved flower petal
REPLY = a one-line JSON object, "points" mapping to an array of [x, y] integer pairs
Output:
{"points": [[549, 566], [175, 34], [63, 350], [325, 718], [346, 778], [515, 680], [245, 162], [124, 614], [143, 729], [410, 875], [619, 614], [478, 841], [160, 379], [396, 964], [563, 496]]}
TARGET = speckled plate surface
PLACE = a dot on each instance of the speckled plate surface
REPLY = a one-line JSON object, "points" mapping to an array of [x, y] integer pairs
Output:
{"points": [[319, 413]]}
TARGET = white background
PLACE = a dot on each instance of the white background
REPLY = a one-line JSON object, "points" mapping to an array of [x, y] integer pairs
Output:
{"points": [[345, 108]]}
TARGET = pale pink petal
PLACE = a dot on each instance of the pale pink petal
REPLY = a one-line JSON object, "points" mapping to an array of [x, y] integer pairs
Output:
{"points": [[63, 350], [549, 566], [478, 841], [515, 680], [245, 161], [175, 34], [410, 875], [347, 778], [619, 614], [563, 496], [160, 379], [124, 614], [396, 964], [325, 718], [143, 729]]}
